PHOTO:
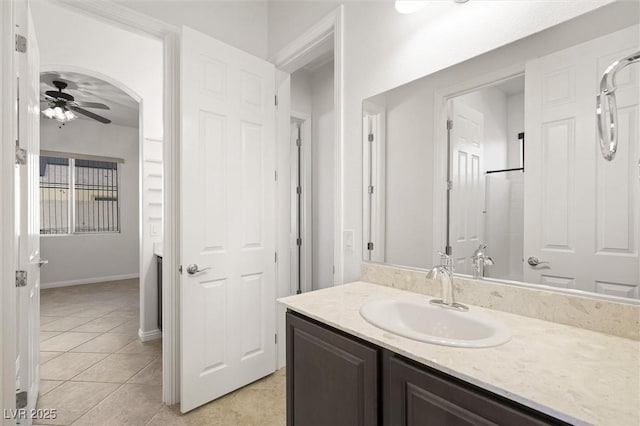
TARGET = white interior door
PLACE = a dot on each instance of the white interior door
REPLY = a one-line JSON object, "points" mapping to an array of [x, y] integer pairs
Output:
{"points": [[468, 192], [227, 192], [582, 212], [28, 211]]}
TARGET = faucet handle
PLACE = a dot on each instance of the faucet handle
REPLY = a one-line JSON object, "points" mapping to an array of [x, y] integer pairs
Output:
{"points": [[445, 260]]}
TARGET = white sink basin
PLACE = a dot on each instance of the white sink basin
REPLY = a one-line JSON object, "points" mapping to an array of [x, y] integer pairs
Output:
{"points": [[433, 324]]}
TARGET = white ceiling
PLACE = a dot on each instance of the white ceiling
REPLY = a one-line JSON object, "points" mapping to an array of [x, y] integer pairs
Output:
{"points": [[123, 108]]}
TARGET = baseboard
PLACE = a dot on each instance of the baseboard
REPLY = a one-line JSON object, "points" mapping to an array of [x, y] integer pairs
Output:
{"points": [[88, 281], [146, 336]]}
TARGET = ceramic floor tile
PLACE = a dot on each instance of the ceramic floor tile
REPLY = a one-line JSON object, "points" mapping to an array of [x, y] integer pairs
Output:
{"points": [[102, 324], [150, 375], [67, 341], [130, 327], [138, 347], [48, 356], [44, 319], [48, 385], [116, 368], [129, 405], [45, 335], [105, 343], [64, 324], [68, 365], [72, 399]]}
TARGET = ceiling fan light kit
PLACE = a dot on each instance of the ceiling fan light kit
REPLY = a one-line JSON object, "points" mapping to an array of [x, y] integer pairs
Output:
{"points": [[63, 107]]}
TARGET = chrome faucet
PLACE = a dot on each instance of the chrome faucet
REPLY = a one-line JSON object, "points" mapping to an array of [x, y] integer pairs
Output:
{"points": [[444, 274], [480, 260]]}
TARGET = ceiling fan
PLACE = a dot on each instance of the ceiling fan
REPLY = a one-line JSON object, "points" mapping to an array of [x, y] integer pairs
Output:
{"points": [[62, 106]]}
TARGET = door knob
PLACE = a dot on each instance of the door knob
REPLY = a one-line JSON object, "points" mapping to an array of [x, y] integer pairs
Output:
{"points": [[193, 269], [533, 261], [40, 262]]}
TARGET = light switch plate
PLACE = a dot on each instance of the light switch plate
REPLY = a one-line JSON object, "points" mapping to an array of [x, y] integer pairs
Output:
{"points": [[348, 236]]}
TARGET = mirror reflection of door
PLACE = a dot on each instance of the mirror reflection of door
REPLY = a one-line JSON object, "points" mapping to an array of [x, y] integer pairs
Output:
{"points": [[468, 189], [581, 212]]}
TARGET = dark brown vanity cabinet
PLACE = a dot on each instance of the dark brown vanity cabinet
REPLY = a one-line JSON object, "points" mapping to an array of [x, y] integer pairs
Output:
{"points": [[420, 396], [334, 379]]}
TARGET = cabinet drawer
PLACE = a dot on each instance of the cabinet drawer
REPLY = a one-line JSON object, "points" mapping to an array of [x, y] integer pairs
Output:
{"points": [[420, 396], [331, 379]]}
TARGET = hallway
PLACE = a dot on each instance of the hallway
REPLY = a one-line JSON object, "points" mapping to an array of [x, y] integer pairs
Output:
{"points": [[95, 371]]}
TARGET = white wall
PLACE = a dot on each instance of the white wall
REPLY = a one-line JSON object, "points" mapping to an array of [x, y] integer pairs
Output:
{"points": [[93, 256], [409, 184], [322, 172], [384, 49], [116, 55], [301, 92], [242, 24]]}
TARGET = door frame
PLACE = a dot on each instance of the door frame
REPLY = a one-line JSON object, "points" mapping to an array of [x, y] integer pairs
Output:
{"points": [[440, 116], [8, 253], [130, 20], [307, 212], [288, 60]]}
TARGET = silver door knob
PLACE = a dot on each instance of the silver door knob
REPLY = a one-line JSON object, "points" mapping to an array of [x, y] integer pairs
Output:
{"points": [[534, 261], [40, 262], [193, 269]]}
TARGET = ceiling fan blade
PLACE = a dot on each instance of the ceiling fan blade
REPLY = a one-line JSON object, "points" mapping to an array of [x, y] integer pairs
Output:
{"points": [[46, 98], [96, 105], [90, 115]]}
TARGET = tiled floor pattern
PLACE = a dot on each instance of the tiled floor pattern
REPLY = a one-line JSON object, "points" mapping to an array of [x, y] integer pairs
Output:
{"points": [[95, 371]]}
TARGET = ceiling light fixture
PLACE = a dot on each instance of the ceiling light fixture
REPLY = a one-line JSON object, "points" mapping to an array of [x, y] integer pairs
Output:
{"points": [[60, 114], [409, 6], [412, 6]]}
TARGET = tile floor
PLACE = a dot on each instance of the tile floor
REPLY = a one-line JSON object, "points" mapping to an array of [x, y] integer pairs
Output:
{"points": [[95, 371]]}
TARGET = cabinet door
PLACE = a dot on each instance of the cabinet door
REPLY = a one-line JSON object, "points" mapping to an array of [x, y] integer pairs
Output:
{"points": [[416, 396], [331, 379]]}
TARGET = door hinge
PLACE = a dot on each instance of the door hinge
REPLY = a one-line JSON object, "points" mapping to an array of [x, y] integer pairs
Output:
{"points": [[369, 246], [180, 269], [275, 338], [21, 155], [370, 137], [449, 124], [298, 142], [275, 175], [275, 257], [21, 43], [370, 189], [275, 100], [449, 185], [298, 241], [21, 399], [21, 278], [298, 190]]}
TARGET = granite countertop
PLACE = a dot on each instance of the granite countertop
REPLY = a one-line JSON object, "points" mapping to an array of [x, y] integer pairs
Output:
{"points": [[577, 375]]}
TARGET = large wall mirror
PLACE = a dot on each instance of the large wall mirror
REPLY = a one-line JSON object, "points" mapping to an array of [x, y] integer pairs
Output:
{"points": [[497, 161]]}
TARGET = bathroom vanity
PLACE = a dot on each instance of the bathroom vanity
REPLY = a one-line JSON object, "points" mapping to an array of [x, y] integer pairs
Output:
{"points": [[343, 370], [334, 378]]}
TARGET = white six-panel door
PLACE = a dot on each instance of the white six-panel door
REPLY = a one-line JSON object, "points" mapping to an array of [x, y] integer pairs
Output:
{"points": [[468, 192], [227, 193], [582, 213], [28, 216]]}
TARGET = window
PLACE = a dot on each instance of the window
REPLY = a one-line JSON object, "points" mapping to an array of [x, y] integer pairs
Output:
{"points": [[78, 195]]}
